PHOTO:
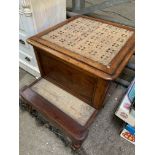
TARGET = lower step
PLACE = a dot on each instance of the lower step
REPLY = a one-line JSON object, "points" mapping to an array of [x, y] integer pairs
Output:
{"points": [[71, 115]]}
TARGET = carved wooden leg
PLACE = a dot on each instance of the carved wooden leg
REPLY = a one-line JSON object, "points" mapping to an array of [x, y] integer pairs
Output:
{"points": [[24, 106], [76, 145]]}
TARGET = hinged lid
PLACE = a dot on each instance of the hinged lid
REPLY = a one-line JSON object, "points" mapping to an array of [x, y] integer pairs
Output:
{"points": [[98, 44]]}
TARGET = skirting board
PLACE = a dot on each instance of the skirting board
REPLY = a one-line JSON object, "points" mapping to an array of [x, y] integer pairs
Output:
{"points": [[32, 70]]}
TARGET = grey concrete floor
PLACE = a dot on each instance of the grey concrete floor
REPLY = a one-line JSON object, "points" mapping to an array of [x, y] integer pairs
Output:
{"points": [[123, 13], [103, 138]]}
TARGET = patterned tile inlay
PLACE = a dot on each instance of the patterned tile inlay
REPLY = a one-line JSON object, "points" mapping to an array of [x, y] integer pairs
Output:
{"points": [[91, 39]]}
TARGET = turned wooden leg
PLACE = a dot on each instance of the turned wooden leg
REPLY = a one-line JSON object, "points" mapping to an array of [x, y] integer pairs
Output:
{"points": [[24, 106], [76, 145]]}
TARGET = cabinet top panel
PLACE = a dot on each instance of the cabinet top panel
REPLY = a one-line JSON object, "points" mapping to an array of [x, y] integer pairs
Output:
{"points": [[100, 44], [92, 39]]}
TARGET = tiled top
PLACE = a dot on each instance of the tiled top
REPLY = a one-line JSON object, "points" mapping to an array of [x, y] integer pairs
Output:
{"points": [[92, 39]]}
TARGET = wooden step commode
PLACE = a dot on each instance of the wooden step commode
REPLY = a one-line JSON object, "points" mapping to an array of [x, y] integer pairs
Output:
{"points": [[77, 60]]}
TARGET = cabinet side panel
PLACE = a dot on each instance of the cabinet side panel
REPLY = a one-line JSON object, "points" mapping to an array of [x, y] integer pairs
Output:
{"points": [[76, 82], [100, 93]]}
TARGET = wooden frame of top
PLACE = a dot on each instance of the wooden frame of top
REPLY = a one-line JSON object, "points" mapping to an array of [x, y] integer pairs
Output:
{"points": [[109, 72]]}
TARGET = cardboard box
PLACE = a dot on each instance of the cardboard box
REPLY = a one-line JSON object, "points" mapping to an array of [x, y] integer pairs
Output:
{"points": [[128, 133], [124, 111]]}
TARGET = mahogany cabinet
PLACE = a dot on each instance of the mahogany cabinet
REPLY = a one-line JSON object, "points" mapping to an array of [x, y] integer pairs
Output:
{"points": [[77, 60]]}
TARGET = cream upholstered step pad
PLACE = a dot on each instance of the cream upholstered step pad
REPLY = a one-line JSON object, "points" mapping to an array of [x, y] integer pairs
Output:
{"points": [[69, 104]]}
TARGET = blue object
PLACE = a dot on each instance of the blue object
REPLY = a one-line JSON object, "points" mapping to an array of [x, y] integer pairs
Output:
{"points": [[130, 128], [131, 92]]}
